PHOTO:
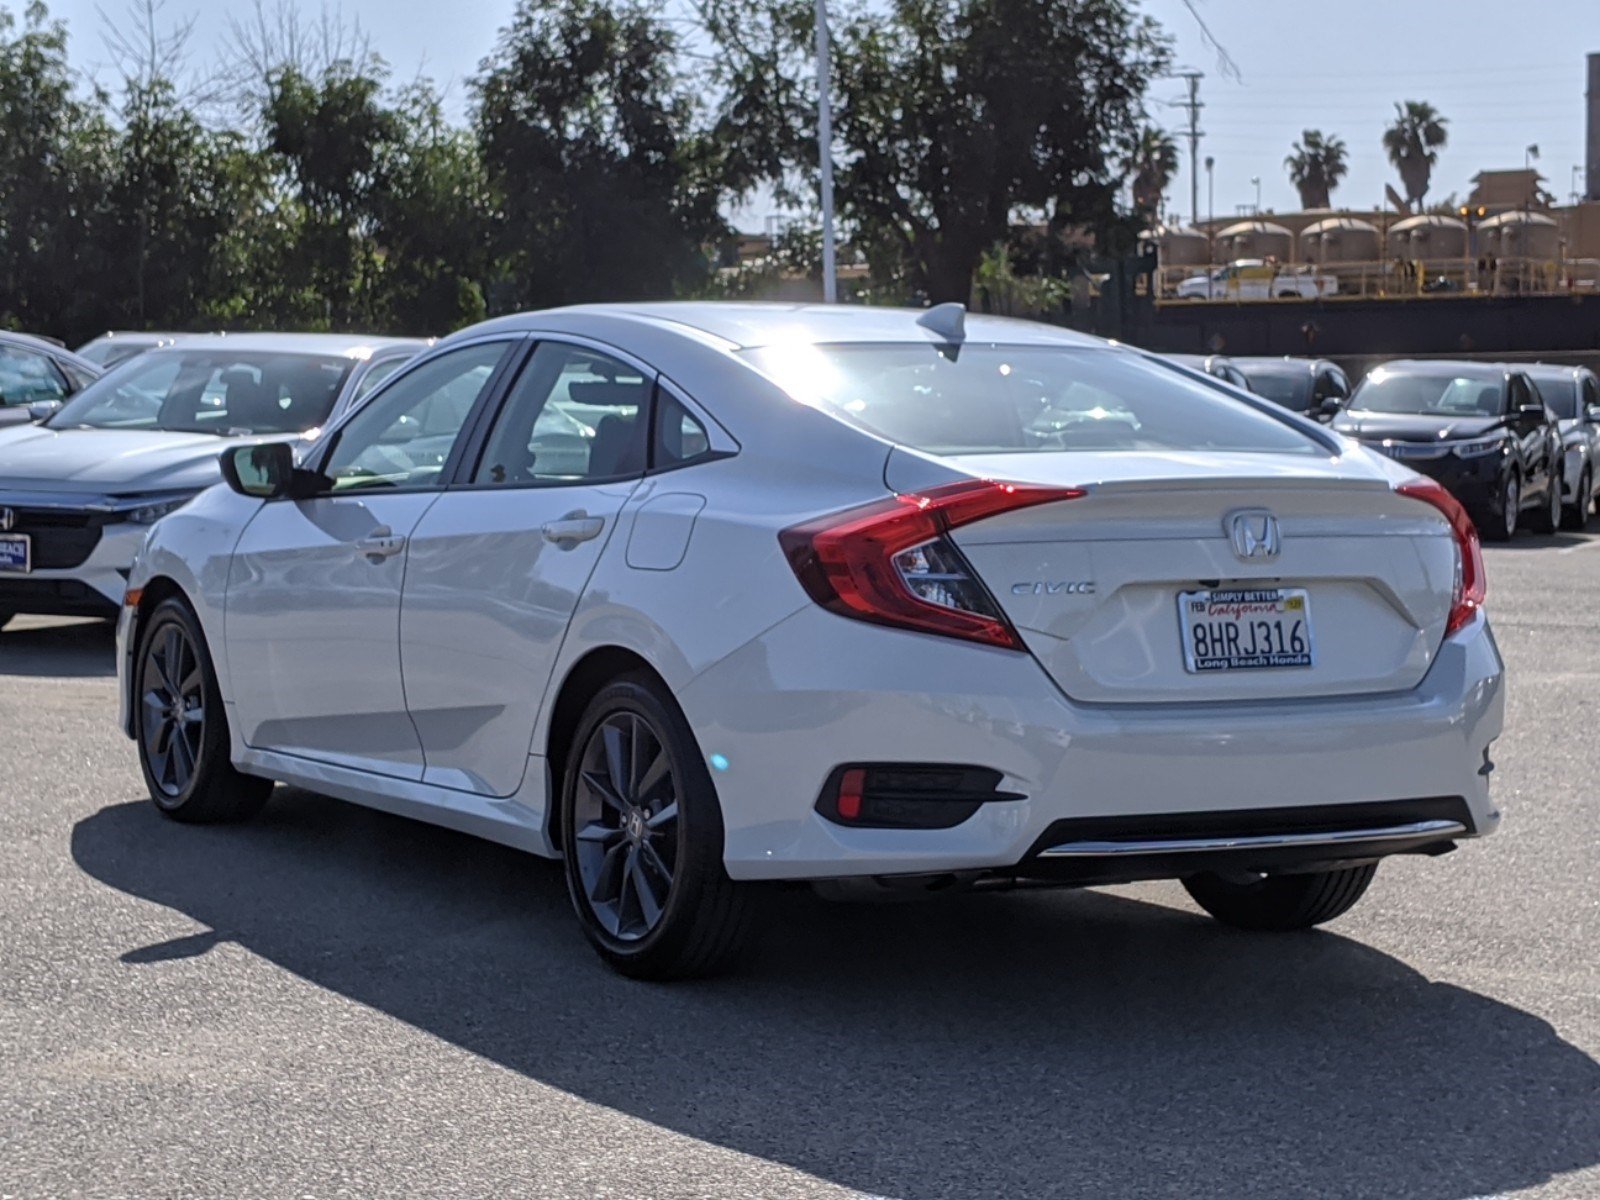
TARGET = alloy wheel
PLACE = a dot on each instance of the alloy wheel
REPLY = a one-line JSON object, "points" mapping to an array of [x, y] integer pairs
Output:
{"points": [[625, 813], [174, 709], [1511, 502]]}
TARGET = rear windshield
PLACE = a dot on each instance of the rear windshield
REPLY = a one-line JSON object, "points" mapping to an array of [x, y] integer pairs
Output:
{"points": [[1428, 394], [1560, 393], [210, 391], [994, 399]]}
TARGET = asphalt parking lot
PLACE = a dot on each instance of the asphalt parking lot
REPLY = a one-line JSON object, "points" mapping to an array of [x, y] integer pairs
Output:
{"points": [[331, 1002]]}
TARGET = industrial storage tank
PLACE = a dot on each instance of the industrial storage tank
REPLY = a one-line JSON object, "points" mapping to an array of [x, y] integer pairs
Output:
{"points": [[1519, 234], [1255, 239], [1335, 240], [1177, 246], [1431, 237]]}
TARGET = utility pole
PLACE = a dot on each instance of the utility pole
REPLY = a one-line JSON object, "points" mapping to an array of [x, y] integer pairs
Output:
{"points": [[1193, 105], [830, 275]]}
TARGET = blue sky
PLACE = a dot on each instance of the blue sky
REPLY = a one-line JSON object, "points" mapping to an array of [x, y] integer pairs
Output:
{"points": [[1506, 76]]}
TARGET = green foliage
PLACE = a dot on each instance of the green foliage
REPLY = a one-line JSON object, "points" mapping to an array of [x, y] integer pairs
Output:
{"points": [[1412, 142], [1316, 165], [954, 119], [596, 173]]}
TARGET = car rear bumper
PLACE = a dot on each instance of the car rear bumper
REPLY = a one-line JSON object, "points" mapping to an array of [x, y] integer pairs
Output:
{"points": [[778, 717]]}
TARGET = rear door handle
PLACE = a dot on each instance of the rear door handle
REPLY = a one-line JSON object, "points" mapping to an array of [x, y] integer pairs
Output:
{"points": [[380, 544], [573, 528]]}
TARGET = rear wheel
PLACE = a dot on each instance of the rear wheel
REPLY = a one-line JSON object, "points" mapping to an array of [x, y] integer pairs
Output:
{"points": [[642, 839], [181, 728], [1577, 513], [1278, 903]]}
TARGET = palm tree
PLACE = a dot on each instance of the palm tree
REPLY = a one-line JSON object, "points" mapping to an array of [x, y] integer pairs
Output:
{"points": [[1316, 167], [1413, 143], [1155, 162]]}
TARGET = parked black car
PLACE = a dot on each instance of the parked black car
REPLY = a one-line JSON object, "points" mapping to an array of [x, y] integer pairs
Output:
{"points": [[1481, 429], [35, 370], [1313, 386], [1573, 394]]}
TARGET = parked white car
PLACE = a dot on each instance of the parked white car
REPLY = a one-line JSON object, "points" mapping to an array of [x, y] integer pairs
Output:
{"points": [[1256, 279], [699, 597], [79, 490]]}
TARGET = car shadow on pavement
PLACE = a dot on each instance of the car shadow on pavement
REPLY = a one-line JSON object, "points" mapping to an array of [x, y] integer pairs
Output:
{"points": [[70, 650], [1020, 1044]]}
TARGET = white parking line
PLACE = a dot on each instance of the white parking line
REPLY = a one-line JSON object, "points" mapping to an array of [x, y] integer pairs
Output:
{"points": [[1579, 546]]}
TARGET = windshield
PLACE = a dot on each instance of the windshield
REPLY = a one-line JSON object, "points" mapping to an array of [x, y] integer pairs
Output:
{"points": [[1560, 393], [226, 392], [989, 399], [1429, 394], [1292, 389]]}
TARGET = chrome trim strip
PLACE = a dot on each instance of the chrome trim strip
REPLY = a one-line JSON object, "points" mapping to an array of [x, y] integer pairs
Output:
{"points": [[1270, 841]]}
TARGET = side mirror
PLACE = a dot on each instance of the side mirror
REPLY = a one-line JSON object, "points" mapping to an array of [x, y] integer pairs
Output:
{"points": [[42, 410], [1531, 414], [265, 471], [1592, 414], [1330, 406]]}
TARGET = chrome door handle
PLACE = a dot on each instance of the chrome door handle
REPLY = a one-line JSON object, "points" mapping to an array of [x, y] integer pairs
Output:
{"points": [[380, 544], [573, 528]]}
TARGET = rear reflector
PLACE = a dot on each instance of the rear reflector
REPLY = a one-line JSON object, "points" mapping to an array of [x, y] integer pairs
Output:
{"points": [[891, 563], [1471, 585], [908, 795]]}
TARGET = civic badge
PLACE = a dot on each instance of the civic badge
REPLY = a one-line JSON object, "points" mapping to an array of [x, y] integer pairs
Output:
{"points": [[1254, 532]]}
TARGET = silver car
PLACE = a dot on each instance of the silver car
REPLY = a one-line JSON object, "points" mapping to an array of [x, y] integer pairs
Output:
{"points": [[1573, 394], [79, 490]]}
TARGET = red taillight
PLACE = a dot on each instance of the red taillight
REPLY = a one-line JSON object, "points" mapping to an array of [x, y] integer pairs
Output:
{"points": [[1471, 585], [851, 784], [862, 562]]}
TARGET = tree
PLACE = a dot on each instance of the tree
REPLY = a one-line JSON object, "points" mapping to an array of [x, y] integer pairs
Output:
{"points": [[1155, 163], [954, 119], [1413, 143], [1316, 166], [600, 185]]}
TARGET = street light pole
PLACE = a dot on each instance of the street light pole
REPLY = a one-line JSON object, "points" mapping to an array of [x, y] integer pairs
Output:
{"points": [[1256, 179], [830, 278]]}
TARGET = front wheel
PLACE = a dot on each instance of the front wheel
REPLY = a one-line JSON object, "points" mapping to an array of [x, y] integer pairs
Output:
{"points": [[1577, 514], [1279, 903], [1548, 518], [642, 840], [181, 728], [1502, 525]]}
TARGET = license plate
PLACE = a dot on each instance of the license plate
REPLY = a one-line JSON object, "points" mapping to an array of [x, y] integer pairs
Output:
{"points": [[1245, 629], [16, 552]]}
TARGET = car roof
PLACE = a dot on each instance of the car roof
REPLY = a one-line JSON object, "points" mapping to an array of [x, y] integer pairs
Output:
{"points": [[35, 342], [342, 345], [1553, 370], [740, 325], [140, 335], [1462, 368], [1284, 364]]}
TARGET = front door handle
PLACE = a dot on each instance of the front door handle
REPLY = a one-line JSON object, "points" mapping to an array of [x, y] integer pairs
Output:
{"points": [[380, 544], [575, 527]]}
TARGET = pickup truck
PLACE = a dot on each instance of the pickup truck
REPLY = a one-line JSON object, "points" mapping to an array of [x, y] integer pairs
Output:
{"points": [[1254, 279]]}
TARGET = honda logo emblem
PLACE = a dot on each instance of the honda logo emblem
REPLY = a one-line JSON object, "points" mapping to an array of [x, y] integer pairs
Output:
{"points": [[1254, 532], [8, 518]]}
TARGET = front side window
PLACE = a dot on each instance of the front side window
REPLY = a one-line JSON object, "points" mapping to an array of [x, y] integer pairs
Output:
{"points": [[1012, 399], [1561, 395], [574, 415], [27, 377], [211, 391], [405, 436], [376, 374]]}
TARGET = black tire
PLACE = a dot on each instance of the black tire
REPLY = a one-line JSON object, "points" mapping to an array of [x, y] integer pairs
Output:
{"points": [[181, 727], [1280, 903], [1503, 515], [1548, 518], [659, 839], [1576, 515]]}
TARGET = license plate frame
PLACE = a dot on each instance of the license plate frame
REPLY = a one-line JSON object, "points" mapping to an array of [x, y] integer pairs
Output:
{"points": [[16, 553], [1246, 629]]}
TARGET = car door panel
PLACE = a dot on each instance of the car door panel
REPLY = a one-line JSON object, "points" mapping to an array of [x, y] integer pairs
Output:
{"points": [[313, 631], [488, 596]]}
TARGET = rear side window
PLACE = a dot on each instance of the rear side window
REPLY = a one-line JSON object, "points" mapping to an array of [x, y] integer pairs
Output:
{"points": [[1019, 399], [1561, 395], [680, 438]]}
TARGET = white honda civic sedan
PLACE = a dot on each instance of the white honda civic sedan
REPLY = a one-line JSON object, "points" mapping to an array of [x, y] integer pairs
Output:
{"points": [[700, 598]]}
